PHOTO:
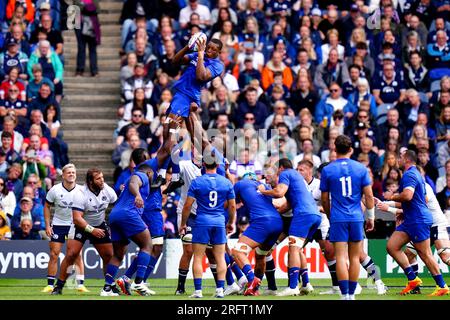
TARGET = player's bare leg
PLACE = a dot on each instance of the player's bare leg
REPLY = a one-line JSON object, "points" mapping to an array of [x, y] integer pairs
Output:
{"points": [[341, 251], [372, 272], [424, 250], [55, 250], [79, 269], [295, 245], [157, 248], [240, 254], [183, 267], [394, 247], [443, 250], [328, 252], [219, 254], [212, 262], [197, 268], [144, 242], [270, 268], [354, 252], [119, 251], [233, 268], [72, 257], [411, 254], [306, 287], [170, 129]]}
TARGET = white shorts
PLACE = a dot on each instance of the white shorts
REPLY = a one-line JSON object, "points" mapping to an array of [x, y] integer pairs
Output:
{"points": [[323, 228]]}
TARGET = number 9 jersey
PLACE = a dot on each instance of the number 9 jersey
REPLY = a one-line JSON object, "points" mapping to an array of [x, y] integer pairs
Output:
{"points": [[211, 192], [345, 180]]}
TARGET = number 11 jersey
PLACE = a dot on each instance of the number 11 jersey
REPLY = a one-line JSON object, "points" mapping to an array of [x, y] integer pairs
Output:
{"points": [[345, 180]]}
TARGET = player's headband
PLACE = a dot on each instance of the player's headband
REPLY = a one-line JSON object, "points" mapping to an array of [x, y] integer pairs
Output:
{"points": [[250, 175]]}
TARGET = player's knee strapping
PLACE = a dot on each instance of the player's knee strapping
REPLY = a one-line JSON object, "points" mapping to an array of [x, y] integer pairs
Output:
{"points": [[262, 252], [242, 247], [159, 240], [187, 238], [441, 251], [296, 242], [411, 248]]}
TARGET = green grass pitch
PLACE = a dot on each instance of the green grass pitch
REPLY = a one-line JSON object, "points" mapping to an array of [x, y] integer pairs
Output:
{"points": [[21, 289]]}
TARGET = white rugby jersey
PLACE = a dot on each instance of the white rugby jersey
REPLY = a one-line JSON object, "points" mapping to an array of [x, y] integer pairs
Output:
{"points": [[93, 206], [188, 171], [433, 204], [62, 199], [314, 188]]}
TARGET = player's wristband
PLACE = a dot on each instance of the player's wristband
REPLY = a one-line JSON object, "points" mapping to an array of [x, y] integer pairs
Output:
{"points": [[390, 203], [392, 210], [371, 214], [89, 228]]}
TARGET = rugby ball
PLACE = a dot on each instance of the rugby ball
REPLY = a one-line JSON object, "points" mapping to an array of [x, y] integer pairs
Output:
{"points": [[193, 40]]}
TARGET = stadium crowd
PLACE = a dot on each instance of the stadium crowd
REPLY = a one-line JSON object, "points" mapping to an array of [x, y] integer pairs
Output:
{"points": [[32, 150], [377, 71]]}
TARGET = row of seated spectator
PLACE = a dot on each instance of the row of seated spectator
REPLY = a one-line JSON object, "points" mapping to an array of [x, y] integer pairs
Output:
{"points": [[32, 150]]}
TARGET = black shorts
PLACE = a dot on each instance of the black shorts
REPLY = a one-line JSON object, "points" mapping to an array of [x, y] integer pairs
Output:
{"points": [[60, 233], [82, 236]]}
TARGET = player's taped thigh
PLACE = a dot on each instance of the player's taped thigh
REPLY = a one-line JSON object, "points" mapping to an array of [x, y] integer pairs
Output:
{"points": [[442, 250], [411, 248], [158, 241], [261, 252], [296, 242], [242, 247]]}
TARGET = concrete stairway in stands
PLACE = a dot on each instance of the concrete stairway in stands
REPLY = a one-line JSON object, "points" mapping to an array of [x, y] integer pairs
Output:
{"points": [[90, 103]]}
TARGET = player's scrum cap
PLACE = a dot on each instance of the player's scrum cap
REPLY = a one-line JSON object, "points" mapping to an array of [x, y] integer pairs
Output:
{"points": [[28, 199], [250, 175]]}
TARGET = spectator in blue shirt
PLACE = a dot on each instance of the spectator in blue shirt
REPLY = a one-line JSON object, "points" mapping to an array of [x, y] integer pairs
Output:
{"points": [[25, 232], [25, 210]]}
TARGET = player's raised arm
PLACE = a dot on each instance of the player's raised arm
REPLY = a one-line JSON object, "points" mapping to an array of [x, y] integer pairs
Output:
{"points": [[201, 72], [185, 214], [181, 57]]}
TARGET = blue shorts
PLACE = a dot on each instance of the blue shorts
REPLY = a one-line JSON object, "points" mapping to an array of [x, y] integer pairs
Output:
{"points": [[264, 231], [125, 226], [351, 231], [209, 235], [417, 232], [60, 233], [304, 225], [181, 105], [154, 222]]}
